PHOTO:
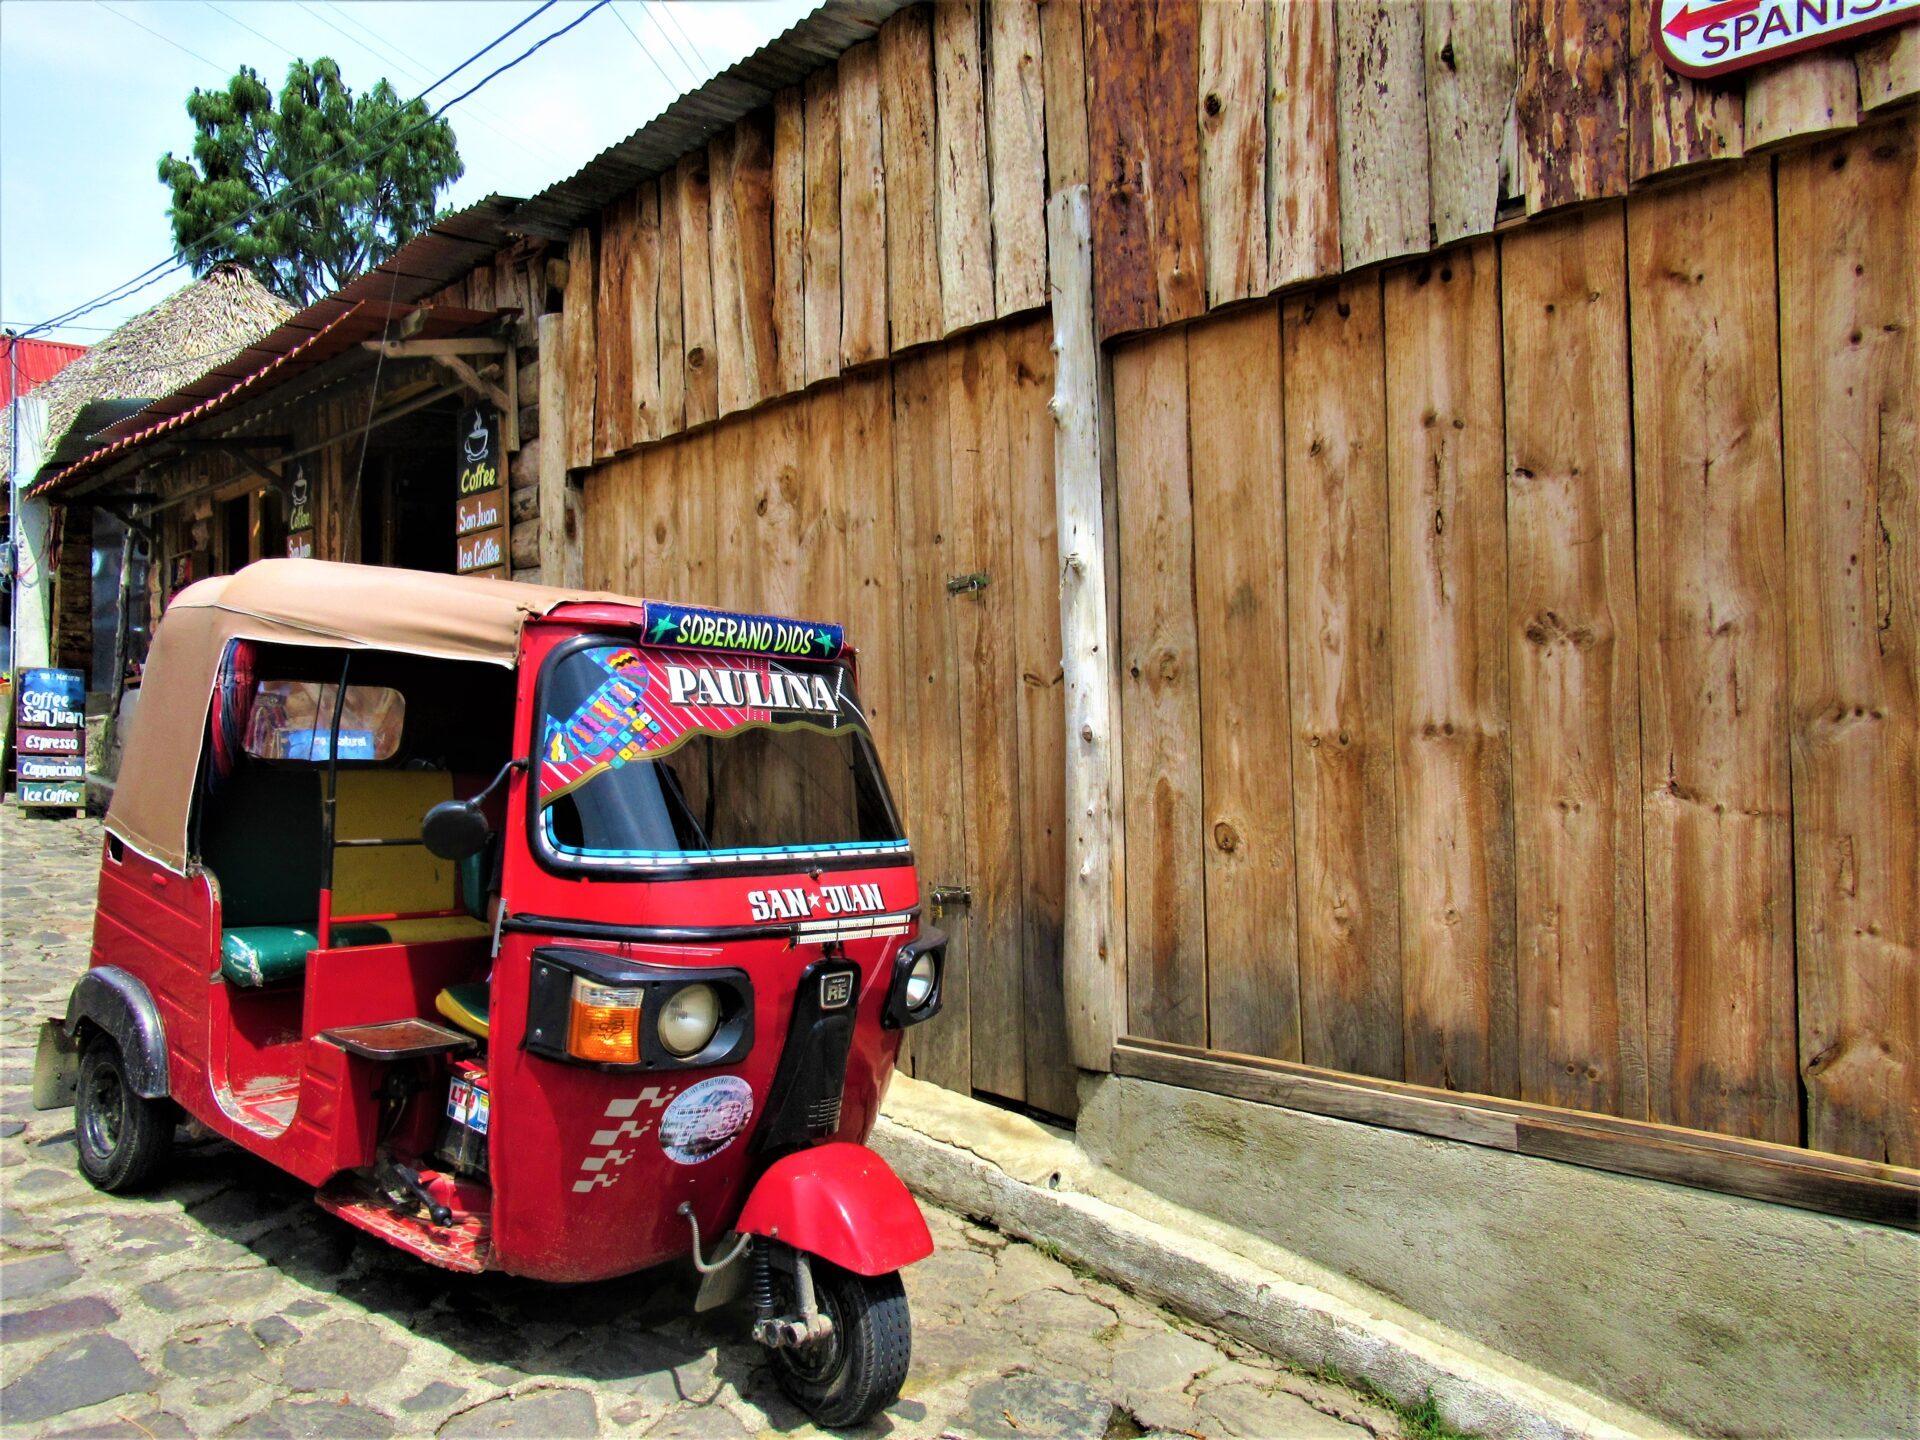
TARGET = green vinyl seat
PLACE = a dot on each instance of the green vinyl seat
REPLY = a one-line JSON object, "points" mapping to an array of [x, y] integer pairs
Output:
{"points": [[256, 955]]}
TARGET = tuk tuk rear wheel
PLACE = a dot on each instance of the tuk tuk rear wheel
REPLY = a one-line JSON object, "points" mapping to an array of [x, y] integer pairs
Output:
{"points": [[857, 1371], [121, 1137]]}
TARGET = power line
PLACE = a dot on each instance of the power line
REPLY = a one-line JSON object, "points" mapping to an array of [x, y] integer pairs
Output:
{"points": [[156, 271], [707, 65], [164, 39], [672, 44], [235, 19], [672, 84]]}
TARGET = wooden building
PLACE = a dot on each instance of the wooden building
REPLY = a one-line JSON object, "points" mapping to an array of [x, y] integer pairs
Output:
{"points": [[1383, 534]]}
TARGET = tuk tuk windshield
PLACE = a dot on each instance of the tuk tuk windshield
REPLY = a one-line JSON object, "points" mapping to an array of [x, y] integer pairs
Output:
{"points": [[652, 758]]}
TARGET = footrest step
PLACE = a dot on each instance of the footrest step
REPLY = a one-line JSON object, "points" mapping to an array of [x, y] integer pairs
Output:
{"points": [[398, 1040]]}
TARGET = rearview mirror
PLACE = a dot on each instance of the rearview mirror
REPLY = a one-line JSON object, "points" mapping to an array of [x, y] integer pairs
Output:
{"points": [[455, 829]]}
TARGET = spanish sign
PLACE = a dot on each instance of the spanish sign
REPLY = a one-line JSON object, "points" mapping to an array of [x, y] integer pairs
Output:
{"points": [[1702, 38], [51, 719], [480, 506]]}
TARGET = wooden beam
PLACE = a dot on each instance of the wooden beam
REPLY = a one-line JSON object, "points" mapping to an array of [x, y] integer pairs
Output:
{"points": [[553, 449], [1782, 1174], [451, 345], [473, 380]]}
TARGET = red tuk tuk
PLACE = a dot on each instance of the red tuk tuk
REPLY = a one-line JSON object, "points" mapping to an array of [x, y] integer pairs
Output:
{"points": [[541, 931]]}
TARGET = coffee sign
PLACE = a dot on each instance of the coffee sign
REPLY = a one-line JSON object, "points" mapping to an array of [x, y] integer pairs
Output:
{"points": [[480, 506], [51, 717], [299, 516]]}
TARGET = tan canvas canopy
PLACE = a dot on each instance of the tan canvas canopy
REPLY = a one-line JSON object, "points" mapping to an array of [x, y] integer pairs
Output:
{"points": [[296, 602]]}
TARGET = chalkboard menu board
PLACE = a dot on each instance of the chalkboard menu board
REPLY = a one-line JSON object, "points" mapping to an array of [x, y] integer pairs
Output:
{"points": [[50, 739], [299, 515], [480, 509]]}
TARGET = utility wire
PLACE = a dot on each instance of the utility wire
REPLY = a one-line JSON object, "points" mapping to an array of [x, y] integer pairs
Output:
{"points": [[672, 44], [163, 39], [705, 64], [155, 272], [672, 84]]}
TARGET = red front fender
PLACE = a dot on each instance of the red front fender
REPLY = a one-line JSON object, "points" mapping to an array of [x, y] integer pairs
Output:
{"points": [[842, 1203]]}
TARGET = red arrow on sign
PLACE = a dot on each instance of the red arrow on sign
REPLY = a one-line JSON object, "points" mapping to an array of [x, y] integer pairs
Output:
{"points": [[1686, 21]]}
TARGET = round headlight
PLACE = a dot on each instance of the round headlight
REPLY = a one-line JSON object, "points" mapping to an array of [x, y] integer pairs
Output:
{"points": [[919, 985], [688, 1020]]}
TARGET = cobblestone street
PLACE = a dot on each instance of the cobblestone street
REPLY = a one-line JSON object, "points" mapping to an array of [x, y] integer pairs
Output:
{"points": [[226, 1303]]}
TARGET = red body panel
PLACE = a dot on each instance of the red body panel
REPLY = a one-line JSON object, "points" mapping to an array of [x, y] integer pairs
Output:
{"points": [[842, 1203], [582, 1186]]}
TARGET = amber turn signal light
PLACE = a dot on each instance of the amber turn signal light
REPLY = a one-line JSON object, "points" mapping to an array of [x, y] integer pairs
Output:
{"points": [[604, 1023]]}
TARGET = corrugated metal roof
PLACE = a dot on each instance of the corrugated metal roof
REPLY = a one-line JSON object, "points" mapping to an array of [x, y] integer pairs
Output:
{"points": [[366, 320], [32, 362], [695, 117]]}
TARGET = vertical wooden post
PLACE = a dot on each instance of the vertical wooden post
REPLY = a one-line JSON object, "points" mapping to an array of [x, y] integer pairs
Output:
{"points": [[1093, 948], [561, 560]]}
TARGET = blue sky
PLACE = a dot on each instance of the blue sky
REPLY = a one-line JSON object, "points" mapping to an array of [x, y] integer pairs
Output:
{"points": [[92, 92]]}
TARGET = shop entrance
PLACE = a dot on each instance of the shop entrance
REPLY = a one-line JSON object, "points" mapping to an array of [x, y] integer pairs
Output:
{"points": [[407, 491]]}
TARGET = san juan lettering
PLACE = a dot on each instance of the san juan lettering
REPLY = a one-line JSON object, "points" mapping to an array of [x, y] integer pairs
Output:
{"points": [[794, 903]]}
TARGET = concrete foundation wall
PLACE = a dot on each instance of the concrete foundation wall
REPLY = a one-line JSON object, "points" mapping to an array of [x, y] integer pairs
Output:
{"points": [[1722, 1315]]}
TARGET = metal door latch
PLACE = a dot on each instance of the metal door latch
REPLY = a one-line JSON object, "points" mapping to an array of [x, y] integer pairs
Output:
{"points": [[942, 896], [966, 584]]}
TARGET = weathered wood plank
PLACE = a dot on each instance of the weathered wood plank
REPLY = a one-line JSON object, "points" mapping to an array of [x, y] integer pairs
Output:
{"points": [[560, 555], [577, 391], [1093, 947], [1446, 463], [696, 288], [670, 334], [643, 318], [863, 210], [1017, 155], [1704, 317], [1340, 680], [658, 558], [1573, 648], [759, 285], [930, 723], [1160, 694], [1040, 717], [789, 243], [913, 221], [1065, 54], [1469, 76], [1384, 185], [613, 323], [1252, 929], [1849, 216], [984, 624], [872, 575], [480, 287], [1801, 98], [960, 191], [1303, 161], [729, 338], [1889, 67], [695, 550], [1674, 122], [1571, 101], [821, 240], [734, 582], [1143, 132], [1880, 1194], [1233, 148]]}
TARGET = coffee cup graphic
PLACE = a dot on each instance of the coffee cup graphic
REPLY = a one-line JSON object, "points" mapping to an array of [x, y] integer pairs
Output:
{"points": [[476, 447]]}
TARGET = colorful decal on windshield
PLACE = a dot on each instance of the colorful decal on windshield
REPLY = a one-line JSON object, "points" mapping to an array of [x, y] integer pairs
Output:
{"points": [[691, 628], [649, 703], [705, 1119]]}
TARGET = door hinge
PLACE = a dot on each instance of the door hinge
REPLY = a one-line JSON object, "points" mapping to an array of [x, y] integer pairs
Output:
{"points": [[966, 584], [941, 896]]}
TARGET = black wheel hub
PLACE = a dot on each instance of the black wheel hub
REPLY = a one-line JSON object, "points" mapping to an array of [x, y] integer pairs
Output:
{"points": [[106, 1109]]}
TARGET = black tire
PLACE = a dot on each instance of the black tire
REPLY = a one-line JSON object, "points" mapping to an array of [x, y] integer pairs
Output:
{"points": [[122, 1139], [856, 1372]]}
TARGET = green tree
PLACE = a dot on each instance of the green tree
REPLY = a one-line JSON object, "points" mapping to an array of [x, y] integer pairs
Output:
{"points": [[311, 193]]}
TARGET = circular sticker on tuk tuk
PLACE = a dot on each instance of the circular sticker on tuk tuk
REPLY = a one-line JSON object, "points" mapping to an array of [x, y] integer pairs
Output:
{"points": [[706, 1118]]}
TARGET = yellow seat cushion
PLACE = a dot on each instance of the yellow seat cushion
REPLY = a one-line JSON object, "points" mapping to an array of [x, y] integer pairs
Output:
{"points": [[450, 927], [390, 879], [466, 1006]]}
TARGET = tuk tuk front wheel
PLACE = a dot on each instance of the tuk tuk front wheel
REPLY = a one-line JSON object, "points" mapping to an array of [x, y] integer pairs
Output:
{"points": [[857, 1371], [122, 1138]]}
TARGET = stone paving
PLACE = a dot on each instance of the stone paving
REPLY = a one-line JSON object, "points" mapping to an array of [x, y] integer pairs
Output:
{"points": [[226, 1304]]}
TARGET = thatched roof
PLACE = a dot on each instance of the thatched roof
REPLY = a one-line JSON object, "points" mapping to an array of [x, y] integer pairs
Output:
{"points": [[196, 328]]}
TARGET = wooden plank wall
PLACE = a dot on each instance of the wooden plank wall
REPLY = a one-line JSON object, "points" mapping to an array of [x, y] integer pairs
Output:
{"points": [[859, 501], [1519, 661]]}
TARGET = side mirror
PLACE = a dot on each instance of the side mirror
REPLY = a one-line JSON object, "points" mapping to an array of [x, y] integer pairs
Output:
{"points": [[455, 829]]}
